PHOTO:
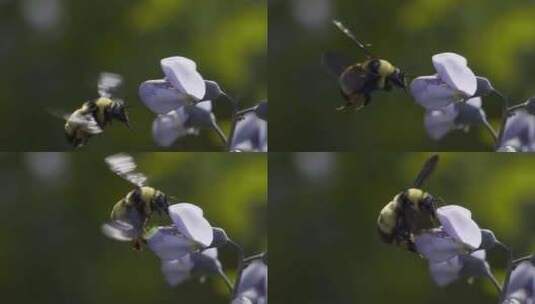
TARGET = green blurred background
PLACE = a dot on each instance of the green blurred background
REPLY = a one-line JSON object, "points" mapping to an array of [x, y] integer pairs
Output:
{"points": [[497, 37], [53, 205], [322, 223], [52, 51]]}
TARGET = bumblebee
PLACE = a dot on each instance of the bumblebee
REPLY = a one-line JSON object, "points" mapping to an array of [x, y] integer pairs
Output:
{"points": [[410, 212], [357, 81], [94, 115], [130, 215]]}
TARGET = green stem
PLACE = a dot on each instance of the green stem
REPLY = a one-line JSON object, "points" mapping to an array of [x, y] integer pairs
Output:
{"points": [[505, 114], [491, 130], [235, 118], [219, 132], [226, 279], [510, 266], [259, 256], [494, 282], [240, 266]]}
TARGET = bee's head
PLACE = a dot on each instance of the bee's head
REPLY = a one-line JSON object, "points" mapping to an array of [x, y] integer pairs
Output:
{"points": [[119, 112], [423, 201], [160, 203], [399, 78]]}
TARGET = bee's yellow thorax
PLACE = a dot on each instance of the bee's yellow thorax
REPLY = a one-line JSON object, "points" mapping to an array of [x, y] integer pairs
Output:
{"points": [[415, 195], [386, 68], [147, 194]]}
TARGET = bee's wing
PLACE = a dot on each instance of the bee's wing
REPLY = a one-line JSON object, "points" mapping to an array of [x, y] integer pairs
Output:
{"points": [[123, 165], [428, 168], [335, 63], [119, 230], [108, 83], [86, 121]]}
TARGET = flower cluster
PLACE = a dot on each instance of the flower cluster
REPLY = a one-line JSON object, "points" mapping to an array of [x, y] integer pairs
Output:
{"points": [[188, 248], [453, 249], [182, 102]]}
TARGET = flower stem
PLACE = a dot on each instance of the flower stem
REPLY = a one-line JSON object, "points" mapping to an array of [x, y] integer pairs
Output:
{"points": [[219, 132], [523, 259], [509, 269], [226, 279], [259, 256], [505, 114], [494, 282], [491, 130], [235, 118], [240, 266]]}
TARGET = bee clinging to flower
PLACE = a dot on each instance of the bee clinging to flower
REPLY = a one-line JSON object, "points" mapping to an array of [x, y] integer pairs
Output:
{"points": [[130, 215], [357, 81], [409, 212], [94, 115]]}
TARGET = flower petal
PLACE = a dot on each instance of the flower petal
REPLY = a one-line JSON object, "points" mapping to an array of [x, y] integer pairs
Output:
{"points": [[439, 122], [250, 134], [453, 69], [161, 97], [190, 221], [168, 244], [254, 280], [457, 222], [444, 273], [166, 129], [177, 271], [437, 246], [519, 132], [522, 278], [432, 93], [183, 75]]}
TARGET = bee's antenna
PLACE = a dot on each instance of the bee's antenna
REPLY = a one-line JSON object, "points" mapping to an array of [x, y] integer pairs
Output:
{"points": [[350, 34]]}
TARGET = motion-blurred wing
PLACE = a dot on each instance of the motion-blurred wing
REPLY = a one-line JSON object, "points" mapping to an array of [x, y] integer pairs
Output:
{"points": [[108, 84], [123, 165], [85, 121], [119, 230], [335, 63], [428, 168]]}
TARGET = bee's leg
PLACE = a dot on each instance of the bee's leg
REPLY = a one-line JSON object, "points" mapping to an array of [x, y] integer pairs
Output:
{"points": [[367, 100], [137, 244], [388, 85]]}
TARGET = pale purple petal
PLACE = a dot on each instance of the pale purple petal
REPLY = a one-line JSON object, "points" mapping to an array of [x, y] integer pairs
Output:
{"points": [[190, 221], [476, 102], [444, 273], [183, 75], [453, 70], [432, 93], [519, 132], [522, 278], [166, 129], [168, 244], [437, 246], [177, 271], [161, 97], [205, 105], [250, 135], [457, 222], [253, 284], [439, 122]]}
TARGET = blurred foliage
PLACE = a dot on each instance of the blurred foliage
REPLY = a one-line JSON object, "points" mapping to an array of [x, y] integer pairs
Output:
{"points": [[51, 57], [323, 212], [497, 37], [53, 205]]}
